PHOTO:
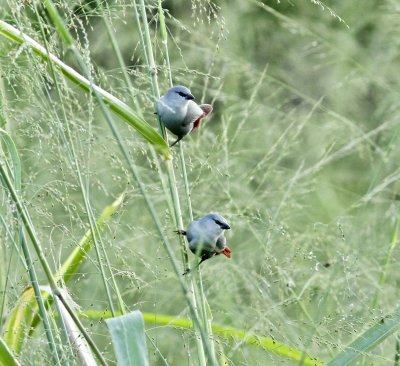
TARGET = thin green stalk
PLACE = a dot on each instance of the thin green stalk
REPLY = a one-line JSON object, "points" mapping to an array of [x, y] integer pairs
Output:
{"points": [[204, 313], [7, 278], [382, 277], [75, 164], [130, 88], [127, 114], [4, 178], [164, 39], [141, 37], [120, 59], [95, 231], [157, 162], [203, 343], [42, 259], [34, 281], [192, 305]]}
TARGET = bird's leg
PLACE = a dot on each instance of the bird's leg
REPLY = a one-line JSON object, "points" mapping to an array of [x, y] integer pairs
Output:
{"points": [[175, 142], [206, 256], [188, 270]]}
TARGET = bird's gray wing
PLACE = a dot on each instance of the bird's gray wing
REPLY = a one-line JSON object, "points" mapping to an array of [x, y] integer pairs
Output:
{"points": [[194, 112], [207, 109]]}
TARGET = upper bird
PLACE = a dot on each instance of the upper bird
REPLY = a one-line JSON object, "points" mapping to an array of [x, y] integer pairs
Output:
{"points": [[206, 236], [179, 113]]}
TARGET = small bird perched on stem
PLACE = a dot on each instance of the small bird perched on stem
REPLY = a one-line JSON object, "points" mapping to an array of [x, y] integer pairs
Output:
{"points": [[179, 113], [206, 237]]}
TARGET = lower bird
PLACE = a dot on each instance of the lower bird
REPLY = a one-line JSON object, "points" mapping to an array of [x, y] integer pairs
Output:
{"points": [[179, 113], [206, 237]]}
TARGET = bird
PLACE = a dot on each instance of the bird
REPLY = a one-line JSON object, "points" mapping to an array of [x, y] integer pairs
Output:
{"points": [[179, 113], [206, 237]]}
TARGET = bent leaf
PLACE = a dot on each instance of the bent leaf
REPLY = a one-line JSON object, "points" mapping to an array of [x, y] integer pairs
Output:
{"points": [[116, 105], [6, 356], [24, 317], [266, 343]]}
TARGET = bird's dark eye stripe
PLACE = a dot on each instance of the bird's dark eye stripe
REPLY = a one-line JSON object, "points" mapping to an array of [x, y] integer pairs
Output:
{"points": [[218, 222], [182, 94]]}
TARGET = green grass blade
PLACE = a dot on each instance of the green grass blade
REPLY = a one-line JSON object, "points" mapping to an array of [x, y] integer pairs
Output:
{"points": [[129, 340], [24, 317], [6, 356], [12, 151], [116, 105], [266, 343], [369, 339], [82, 351], [71, 264], [22, 216], [19, 320]]}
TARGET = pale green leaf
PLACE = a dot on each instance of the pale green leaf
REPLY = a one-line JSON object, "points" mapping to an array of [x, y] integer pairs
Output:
{"points": [[24, 317], [115, 104], [369, 339], [129, 340], [6, 356]]}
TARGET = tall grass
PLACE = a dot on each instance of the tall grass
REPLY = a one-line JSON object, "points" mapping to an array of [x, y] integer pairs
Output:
{"points": [[300, 155]]}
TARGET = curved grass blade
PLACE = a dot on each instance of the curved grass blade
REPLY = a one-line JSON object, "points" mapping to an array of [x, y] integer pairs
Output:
{"points": [[24, 317], [18, 323], [82, 350], [369, 339], [129, 340], [266, 343], [6, 356], [116, 105]]}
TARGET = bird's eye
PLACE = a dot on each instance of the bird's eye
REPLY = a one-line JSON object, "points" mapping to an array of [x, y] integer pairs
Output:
{"points": [[218, 222], [182, 94]]}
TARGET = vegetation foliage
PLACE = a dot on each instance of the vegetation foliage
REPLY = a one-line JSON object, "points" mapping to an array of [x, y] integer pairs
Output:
{"points": [[300, 155]]}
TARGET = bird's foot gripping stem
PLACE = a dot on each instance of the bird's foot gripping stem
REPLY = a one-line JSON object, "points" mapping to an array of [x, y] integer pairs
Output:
{"points": [[180, 232]]}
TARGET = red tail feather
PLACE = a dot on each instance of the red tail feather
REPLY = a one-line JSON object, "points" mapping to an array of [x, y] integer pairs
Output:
{"points": [[197, 123], [207, 109]]}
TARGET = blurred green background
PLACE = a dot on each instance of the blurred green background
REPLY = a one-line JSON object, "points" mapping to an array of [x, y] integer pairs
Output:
{"points": [[301, 155]]}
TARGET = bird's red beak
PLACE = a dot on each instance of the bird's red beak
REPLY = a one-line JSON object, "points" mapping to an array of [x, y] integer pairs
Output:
{"points": [[226, 252]]}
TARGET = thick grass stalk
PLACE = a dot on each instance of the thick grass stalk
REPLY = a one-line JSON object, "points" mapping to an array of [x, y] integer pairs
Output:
{"points": [[203, 342], [201, 296], [130, 89], [134, 171]]}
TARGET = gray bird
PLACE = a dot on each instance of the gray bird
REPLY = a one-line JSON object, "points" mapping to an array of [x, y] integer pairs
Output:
{"points": [[179, 113], [206, 237]]}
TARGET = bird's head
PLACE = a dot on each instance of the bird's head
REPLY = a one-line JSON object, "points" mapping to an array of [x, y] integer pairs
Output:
{"points": [[179, 92], [216, 224]]}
